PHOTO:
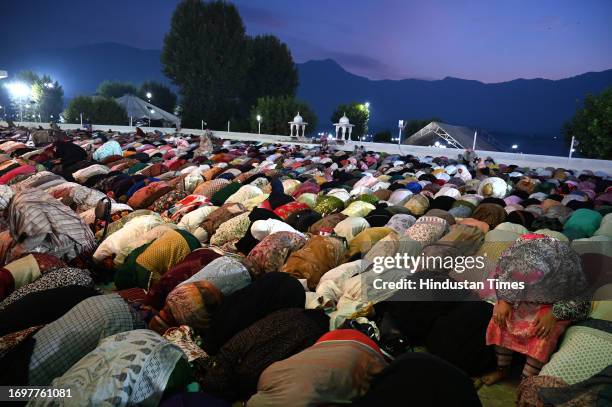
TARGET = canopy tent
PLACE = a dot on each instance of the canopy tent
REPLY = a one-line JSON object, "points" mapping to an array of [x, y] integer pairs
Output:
{"points": [[453, 136], [137, 108]]}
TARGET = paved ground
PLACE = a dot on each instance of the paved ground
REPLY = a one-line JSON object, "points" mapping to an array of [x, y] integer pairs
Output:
{"points": [[499, 395]]}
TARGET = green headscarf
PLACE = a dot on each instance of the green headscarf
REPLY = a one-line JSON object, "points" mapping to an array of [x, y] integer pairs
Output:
{"points": [[583, 223]]}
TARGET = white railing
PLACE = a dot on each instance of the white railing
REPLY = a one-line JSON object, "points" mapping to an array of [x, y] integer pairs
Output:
{"points": [[521, 160]]}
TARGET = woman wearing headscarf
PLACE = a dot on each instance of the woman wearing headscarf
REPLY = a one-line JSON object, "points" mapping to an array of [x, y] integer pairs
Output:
{"points": [[220, 215], [277, 196], [303, 220], [123, 232], [286, 210], [263, 228], [26, 270], [427, 230], [326, 224], [521, 217], [209, 188], [58, 277], [271, 253], [107, 149], [42, 307], [147, 264], [319, 255], [359, 209], [531, 320], [231, 231], [63, 342], [400, 223], [365, 240], [234, 371], [351, 360], [440, 213], [583, 223], [40, 223], [306, 187], [227, 273], [148, 194], [68, 155], [326, 205], [248, 241], [351, 227], [272, 292], [493, 187], [491, 214], [191, 304], [128, 368], [417, 204], [466, 239], [190, 265], [221, 196]]}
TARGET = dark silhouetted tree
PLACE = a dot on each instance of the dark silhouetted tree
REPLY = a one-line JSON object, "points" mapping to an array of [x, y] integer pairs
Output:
{"points": [[49, 95], [592, 126], [95, 110], [115, 89], [204, 55], [271, 70]]}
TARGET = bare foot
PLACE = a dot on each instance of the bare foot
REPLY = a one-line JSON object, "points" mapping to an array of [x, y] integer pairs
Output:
{"points": [[496, 376]]}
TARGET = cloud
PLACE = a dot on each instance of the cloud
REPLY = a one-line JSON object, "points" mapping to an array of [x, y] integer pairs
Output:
{"points": [[356, 63], [364, 65]]}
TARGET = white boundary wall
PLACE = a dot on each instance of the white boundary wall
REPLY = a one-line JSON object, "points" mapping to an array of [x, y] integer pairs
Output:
{"points": [[522, 160]]}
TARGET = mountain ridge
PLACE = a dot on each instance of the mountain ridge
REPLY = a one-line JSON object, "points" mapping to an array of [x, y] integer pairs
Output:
{"points": [[536, 107]]}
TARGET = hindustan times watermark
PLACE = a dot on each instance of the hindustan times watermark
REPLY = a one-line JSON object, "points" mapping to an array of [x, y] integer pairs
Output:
{"points": [[390, 273]]}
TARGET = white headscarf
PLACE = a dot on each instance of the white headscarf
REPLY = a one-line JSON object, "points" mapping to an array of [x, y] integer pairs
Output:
{"points": [[6, 193]]}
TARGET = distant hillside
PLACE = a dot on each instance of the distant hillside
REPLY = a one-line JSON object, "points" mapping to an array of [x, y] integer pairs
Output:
{"points": [[533, 109], [535, 106]]}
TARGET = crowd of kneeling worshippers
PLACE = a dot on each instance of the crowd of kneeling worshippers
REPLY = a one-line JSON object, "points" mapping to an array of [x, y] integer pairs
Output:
{"points": [[153, 269]]}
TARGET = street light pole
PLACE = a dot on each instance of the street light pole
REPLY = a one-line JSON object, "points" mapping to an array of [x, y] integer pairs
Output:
{"points": [[571, 152], [259, 123], [401, 125], [367, 107]]}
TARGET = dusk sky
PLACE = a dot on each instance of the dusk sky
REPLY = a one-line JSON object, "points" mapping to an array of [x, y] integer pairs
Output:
{"points": [[486, 40]]}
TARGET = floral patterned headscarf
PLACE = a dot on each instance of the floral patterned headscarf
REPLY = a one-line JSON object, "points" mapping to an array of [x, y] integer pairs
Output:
{"points": [[549, 268]]}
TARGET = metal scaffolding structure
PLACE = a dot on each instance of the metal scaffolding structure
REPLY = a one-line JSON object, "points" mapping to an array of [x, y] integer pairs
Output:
{"points": [[453, 137]]}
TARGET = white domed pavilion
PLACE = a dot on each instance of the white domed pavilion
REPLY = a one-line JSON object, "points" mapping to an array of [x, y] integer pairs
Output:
{"points": [[344, 128], [298, 124]]}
